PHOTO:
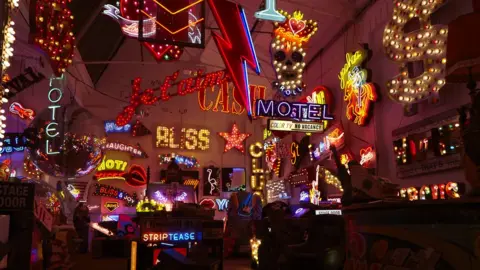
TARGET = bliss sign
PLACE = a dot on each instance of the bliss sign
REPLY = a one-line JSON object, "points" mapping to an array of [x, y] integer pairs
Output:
{"points": [[54, 96], [296, 110]]}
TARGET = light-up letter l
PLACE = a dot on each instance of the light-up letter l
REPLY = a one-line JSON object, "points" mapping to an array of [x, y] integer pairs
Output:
{"points": [[55, 95], [270, 13]]}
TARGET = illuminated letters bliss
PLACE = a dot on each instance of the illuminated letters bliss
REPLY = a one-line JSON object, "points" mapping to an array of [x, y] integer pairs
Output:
{"points": [[54, 96], [295, 110], [190, 138], [171, 237]]}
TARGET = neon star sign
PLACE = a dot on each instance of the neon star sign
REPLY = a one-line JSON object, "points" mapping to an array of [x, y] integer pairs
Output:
{"points": [[55, 95], [234, 139], [270, 12], [359, 94]]}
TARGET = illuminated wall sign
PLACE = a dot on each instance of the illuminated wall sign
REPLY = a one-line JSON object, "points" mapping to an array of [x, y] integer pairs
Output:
{"points": [[75, 192], [189, 162], [13, 142], [22, 112], [211, 181], [234, 139], [270, 12], [171, 236], [359, 94], [236, 46], [286, 125], [111, 127], [451, 190], [101, 229], [21, 82], [111, 206], [289, 51], [314, 192], [226, 103], [322, 96], [220, 204], [55, 95], [111, 169], [116, 193], [335, 138], [257, 178], [135, 151], [190, 138], [295, 110], [367, 157], [130, 27], [304, 196], [427, 44], [162, 198]]}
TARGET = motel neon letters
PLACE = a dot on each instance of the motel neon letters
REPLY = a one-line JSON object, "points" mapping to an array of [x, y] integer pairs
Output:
{"points": [[55, 95]]}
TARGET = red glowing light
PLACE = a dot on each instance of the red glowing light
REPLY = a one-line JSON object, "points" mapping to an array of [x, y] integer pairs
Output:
{"points": [[21, 111], [234, 139]]}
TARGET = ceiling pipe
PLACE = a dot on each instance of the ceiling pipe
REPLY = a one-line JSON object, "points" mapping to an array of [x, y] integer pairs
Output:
{"points": [[341, 32]]}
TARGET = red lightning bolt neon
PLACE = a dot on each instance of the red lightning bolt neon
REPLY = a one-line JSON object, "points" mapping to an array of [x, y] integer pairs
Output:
{"points": [[236, 46]]}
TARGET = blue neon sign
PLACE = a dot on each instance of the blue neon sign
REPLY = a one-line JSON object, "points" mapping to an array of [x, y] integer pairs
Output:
{"points": [[13, 142], [111, 127]]}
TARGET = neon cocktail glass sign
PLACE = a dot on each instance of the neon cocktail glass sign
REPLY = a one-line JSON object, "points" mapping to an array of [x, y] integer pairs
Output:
{"points": [[171, 236], [51, 128]]}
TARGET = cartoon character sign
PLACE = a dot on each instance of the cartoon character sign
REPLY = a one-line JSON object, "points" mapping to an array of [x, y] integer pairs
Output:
{"points": [[289, 50], [5, 170], [358, 93]]}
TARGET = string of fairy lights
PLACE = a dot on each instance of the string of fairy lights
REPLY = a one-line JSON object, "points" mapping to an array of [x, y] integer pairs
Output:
{"points": [[8, 32]]}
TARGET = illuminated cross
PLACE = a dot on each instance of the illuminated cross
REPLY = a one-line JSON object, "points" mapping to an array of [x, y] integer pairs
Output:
{"points": [[270, 13]]}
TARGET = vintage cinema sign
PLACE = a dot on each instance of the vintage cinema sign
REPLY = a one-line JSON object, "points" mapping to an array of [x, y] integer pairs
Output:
{"points": [[116, 193], [171, 236], [295, 110], [286, 125], [17, 197], [450, 190], [135, 151], [190, 138]]}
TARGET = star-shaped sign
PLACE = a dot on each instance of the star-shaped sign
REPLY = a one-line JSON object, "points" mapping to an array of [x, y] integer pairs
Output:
{"points": [[234, 139]]}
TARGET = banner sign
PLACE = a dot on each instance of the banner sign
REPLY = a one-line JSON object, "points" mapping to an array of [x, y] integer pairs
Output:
{"points": [[285, 125], [16, 196], [43, 215]]}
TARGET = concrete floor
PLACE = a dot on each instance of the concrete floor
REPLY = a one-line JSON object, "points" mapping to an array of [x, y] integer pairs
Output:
{"points": [[85, 262]]}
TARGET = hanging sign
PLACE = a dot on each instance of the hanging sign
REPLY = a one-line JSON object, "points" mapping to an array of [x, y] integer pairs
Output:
{"points": [[21, 82], [111, 127], [190, 138], [22, 112], [116, 193], [135, 151], [359, 94], [55, 95], [270, 12]]}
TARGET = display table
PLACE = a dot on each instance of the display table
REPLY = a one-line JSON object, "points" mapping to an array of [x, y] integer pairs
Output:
{"points": [[414, 235]]}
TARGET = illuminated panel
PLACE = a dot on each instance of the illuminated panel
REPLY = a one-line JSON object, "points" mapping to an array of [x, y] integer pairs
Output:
{"points": [[257, 179], [111, 169], [289, 50], [147, 205], [427, 44], [189, 162], [190, 139], [111, 206], [116, 193], [270, 12], [55, 95], [171, 236], [321, 95], [22, 112], [111, 127], [359, 95], [293, 126], [295, 110], [234, 139]]}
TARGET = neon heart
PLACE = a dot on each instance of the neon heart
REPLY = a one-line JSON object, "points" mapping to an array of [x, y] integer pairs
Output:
{"points": [[129, 10], [296, 26]]}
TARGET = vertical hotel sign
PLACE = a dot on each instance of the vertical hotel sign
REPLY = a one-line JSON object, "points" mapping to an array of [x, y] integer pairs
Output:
{"points": [[55, 95]]}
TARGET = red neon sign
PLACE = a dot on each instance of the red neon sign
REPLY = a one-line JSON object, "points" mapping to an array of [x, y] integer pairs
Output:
{"points": [[367, 157], [24, 113]]}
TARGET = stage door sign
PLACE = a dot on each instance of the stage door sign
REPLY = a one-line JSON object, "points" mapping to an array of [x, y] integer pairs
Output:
{"points": [[16, 197], [42, 215]]}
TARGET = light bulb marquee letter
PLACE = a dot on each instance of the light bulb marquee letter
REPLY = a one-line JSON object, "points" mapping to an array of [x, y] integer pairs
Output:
{"points": [[428, 44], [359, 94], [289, 50], [190, 139], [55, 95], [257, 179]]}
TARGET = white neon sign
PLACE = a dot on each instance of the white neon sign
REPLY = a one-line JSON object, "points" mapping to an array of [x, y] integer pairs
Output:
{"points": [[270, 12], [51, 128], [212, 181]]}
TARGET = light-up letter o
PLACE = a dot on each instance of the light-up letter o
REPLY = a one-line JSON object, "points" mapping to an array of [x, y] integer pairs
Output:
{"points": [[60, 95], [287, 105]]}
